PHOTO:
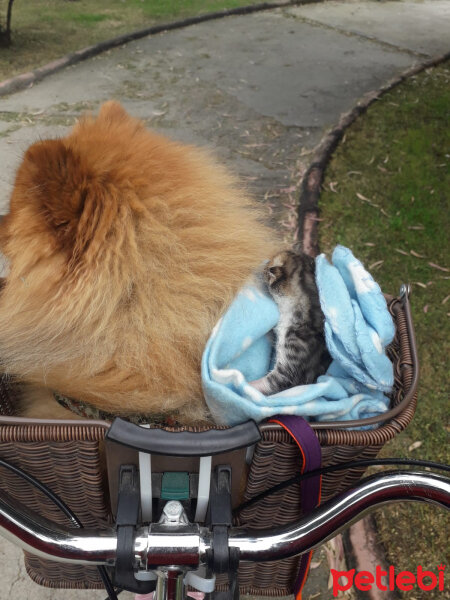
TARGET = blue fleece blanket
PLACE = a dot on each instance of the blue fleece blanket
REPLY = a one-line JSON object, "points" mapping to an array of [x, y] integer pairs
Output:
{"points": [[358, 327]]}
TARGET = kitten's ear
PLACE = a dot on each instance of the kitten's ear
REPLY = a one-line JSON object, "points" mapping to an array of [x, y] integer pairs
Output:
{"points": [[309, 263], [275, 273], [297, 247]]}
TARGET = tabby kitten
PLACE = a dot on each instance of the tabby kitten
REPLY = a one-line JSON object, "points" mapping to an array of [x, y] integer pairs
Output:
{"points": [[301, 353]]}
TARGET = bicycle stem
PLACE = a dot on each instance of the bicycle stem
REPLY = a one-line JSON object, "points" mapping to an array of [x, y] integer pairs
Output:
{"points": [[189, 545]]}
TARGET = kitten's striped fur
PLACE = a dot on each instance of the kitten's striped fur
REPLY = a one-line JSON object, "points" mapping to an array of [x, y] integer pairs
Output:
{"points": [[301, 353]]}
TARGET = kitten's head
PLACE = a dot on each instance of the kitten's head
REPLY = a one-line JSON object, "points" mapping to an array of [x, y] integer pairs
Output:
{"points": [[286, 270]]}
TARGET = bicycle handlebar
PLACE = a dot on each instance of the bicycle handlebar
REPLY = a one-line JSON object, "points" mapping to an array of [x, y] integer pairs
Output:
{"points": [[333, 516], [190, 545]]}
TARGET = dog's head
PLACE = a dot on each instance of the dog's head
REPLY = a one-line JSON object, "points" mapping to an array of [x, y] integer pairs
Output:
{"points": [[68, 192]]}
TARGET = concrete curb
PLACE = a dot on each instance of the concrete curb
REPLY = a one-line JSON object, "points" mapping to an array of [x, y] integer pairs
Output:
{"points": [[28, 79], [311, 181], [364, 552]]}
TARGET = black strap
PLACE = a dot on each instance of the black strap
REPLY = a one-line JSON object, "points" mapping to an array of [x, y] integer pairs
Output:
{"points": [[222, 559], [127, 518]]}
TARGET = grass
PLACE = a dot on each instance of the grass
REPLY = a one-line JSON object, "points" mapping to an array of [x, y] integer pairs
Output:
{"points": [[43, 30], [386, 197]]}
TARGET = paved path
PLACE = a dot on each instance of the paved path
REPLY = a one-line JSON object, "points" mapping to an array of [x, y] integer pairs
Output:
{"points": [[258, 90]]}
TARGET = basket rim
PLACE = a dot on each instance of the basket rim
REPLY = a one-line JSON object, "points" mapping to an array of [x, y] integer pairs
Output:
{"points": [[329, 433]]}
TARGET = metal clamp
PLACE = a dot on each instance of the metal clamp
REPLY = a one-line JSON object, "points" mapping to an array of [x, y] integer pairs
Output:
{"points": [[127, 520], [405, 290]]}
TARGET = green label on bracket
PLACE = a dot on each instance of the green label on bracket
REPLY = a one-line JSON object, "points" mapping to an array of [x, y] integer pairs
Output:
{"points": [[175, 486]]}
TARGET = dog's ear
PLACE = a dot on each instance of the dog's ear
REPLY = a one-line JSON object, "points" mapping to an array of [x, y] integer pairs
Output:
{"points": [[112, 111], [4, 231], [61, 189]]}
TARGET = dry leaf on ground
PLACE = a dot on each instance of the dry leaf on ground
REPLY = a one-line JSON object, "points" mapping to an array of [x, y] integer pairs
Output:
{"points": [[361, 197], [376, 264], [435, 266], [414, 446]]}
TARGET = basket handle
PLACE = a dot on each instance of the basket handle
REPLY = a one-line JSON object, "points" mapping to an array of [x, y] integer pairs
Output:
{"points": [[183, 443]]}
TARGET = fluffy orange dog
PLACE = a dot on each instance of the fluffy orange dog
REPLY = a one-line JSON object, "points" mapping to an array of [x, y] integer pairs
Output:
{"points": [[124, 250]]}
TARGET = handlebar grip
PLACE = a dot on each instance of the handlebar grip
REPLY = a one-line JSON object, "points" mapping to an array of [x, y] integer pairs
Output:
{"points": [[183, 443]]}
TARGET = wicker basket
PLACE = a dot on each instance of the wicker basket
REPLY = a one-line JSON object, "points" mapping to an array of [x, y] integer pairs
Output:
{"points": [[65, 456]]}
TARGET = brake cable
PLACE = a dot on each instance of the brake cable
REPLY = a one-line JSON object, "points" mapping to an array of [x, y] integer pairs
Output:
{"points": [[75, 521], [339, 467]]}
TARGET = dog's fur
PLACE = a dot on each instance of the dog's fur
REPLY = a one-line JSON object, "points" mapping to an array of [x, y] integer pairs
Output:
{"points": [[124, 250]]}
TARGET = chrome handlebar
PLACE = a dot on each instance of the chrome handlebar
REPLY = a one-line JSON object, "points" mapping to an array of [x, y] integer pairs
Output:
{"points": [[189, 545], [333, 516]]}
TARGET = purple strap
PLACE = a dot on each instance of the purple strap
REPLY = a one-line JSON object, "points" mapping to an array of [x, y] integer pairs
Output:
{"points": [[309, 446]]}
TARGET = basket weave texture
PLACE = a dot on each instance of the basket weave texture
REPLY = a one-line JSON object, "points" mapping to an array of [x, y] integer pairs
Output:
{"points": [[66, 458]]}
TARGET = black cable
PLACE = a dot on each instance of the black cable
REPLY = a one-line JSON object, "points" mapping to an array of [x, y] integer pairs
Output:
{"points": [[339, 467], [117, 591], [112, 593]]}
